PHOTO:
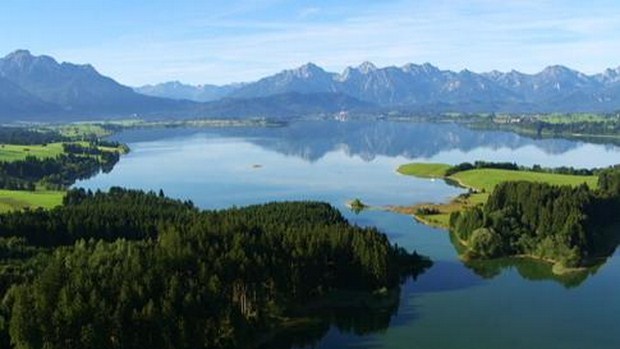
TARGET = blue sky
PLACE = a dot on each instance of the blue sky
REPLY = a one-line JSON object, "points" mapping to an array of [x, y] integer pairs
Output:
{"points": [[138, 42]]}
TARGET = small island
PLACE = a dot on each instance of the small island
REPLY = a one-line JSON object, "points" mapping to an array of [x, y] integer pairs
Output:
{"points": [[561, 215], [356, 205]]}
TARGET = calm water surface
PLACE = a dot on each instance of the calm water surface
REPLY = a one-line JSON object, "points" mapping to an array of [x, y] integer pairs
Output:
{"points": [[502, 304]]}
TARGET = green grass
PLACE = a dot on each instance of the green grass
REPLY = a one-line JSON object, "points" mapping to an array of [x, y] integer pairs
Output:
{"points": [[18, 199], [80, 130], [14, 152], [487, 179], [424, 170], [14, 199]]}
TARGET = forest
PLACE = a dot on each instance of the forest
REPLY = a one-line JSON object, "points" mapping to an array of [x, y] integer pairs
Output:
{"points": [[561, 224], [131, 269]]}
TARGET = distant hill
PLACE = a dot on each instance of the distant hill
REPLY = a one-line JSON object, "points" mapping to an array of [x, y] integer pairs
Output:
{"points": [[70, 91], [177, 90], [285, 106]]}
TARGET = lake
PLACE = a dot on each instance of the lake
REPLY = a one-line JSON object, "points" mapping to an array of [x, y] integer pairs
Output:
{"points": [[498, 304]]}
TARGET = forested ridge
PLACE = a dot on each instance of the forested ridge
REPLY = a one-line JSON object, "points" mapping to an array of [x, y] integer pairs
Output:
{"points": [[558, 223], [129, 269]]}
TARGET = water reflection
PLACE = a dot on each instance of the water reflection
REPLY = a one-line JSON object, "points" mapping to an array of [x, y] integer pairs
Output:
{"points": [[336, 326], [531, 270], [312, 140], [527, 268], [363, 316]]}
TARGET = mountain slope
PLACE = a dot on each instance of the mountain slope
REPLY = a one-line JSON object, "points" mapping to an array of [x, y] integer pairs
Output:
{"points": [[308, 78], [77, 89], [16, 101]]}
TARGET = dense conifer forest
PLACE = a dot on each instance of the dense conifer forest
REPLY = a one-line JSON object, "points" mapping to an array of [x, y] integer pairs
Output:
{"points": [[129, 269]]}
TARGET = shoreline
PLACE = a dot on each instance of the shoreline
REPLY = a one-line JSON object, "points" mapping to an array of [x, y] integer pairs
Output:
{"points": [[556, 267]]}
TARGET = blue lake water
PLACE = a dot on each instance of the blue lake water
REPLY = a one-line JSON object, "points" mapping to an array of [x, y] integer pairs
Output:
{"points": [[453, 305]]}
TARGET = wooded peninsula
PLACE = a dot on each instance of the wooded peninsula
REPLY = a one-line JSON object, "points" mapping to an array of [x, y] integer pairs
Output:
{"points": [[558, 215]]}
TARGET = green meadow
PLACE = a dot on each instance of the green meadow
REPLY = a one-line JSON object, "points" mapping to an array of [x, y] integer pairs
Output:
{"points": [[18, 199], [424, 170], [14, 152]]}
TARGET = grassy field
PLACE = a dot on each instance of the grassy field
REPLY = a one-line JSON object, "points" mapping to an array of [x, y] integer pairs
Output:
{"points": [[424, 170], [488, 178], [482, 181], [80, 130], [13, 152], [13, 199]]}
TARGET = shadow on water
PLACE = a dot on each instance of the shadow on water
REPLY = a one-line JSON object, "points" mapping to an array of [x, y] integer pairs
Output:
{"points": [[443, 276], [359, 317], [329, 326], [532, 269]]}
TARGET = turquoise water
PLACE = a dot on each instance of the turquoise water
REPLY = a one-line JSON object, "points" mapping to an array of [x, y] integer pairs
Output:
{"points": [[497, 305]]}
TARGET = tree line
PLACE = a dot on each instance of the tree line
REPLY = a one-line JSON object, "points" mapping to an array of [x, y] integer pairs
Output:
{"points": [[511, 166]]}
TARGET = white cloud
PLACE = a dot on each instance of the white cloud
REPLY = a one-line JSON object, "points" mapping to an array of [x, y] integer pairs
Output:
{"points": [[480, 35]]}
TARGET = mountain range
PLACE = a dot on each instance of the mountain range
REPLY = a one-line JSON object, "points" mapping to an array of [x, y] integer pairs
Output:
{"points": [[39, 88], [426, 87]]}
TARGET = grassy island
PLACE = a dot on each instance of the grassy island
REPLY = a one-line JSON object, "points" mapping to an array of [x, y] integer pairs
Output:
{"points": [[556, 215]]}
